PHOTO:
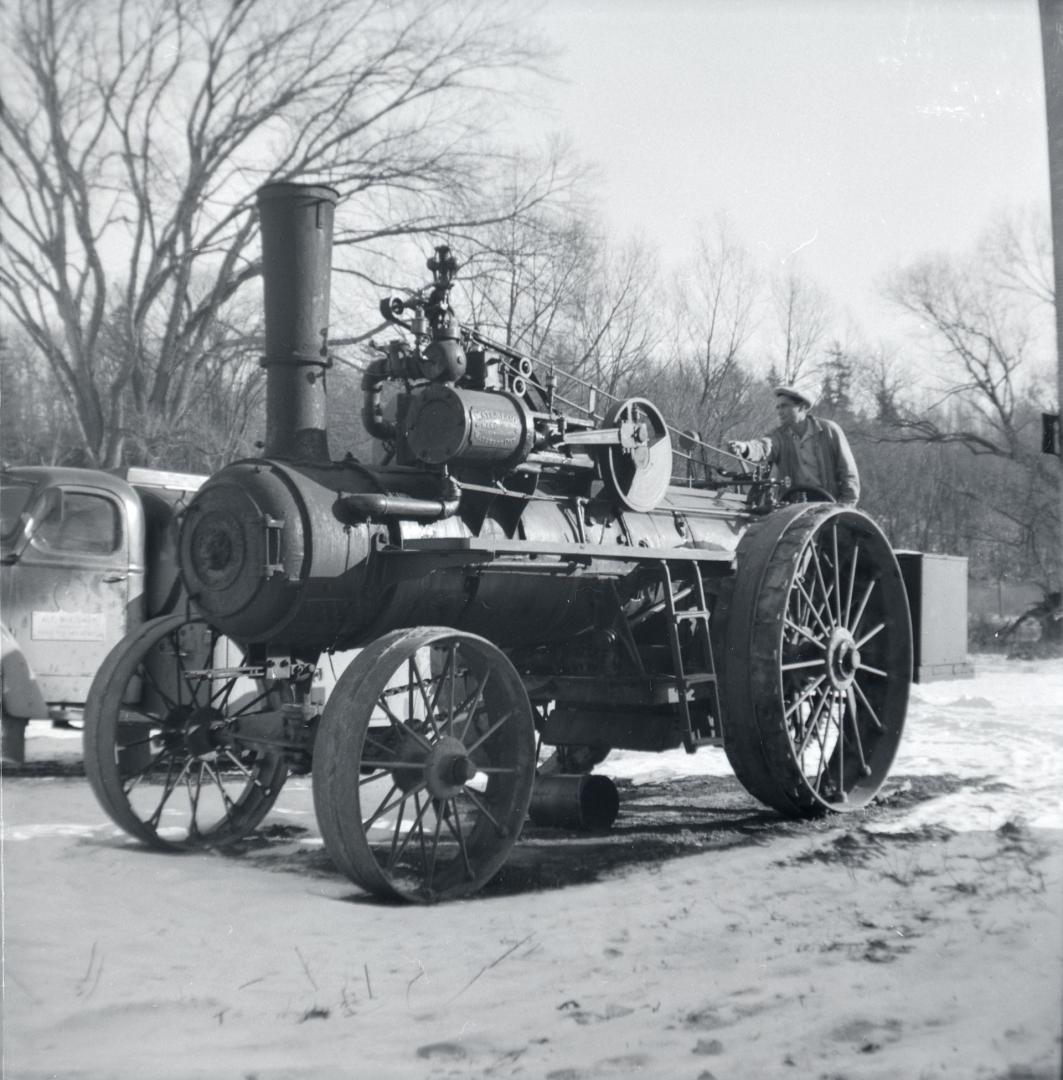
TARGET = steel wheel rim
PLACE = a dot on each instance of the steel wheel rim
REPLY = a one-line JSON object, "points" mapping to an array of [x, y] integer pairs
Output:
{"points": [[445, 763], [170, 772], [840, 645]]}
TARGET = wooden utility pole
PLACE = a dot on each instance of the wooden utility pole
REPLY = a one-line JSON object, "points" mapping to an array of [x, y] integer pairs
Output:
{"points": [[1052, 48]]}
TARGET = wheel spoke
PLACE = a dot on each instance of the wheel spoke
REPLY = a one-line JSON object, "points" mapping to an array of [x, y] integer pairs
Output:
{"points": [[475, 697], [819, 578], [870, 634], [169, 787], [482, 807], [813, 721], [873, 670], [226, 798], [397, 830], [251, 777], [245, 709], [193, 797], [383, 807], [421, 811], [856, 731], [452, 659], [812, 609], [149, 723], [369, 822], [183, 678], [840, 702], [819, 661], [430, 717], [867, 704], [458, 834], [837, 575], [821, 741], [441, 680], [147, 676], [504, 719], [220, 698], [430, 869], [852, 583], [377, 743], [416, 826], [164, 752], [386, 765], [401, 725], [374, 777], [804, 696], [446, 678], [804, 632], [863, 604]]}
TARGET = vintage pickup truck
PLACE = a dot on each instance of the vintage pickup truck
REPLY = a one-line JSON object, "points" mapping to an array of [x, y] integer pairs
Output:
{"points": [[85, 556]]}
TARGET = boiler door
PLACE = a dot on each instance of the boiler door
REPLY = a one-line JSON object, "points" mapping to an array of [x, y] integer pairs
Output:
{"points": [[242, 551]]}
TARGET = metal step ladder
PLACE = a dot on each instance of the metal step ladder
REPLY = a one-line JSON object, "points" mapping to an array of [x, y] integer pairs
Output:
{"points": [[689, 605]]}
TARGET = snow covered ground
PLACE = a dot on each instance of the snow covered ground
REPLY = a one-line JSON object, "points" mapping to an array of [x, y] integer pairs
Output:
{"points": [[1007, 723], [704, 938]]}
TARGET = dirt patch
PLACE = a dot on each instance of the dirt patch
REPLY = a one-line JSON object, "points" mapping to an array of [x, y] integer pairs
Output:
{"points": [[658, 822]]}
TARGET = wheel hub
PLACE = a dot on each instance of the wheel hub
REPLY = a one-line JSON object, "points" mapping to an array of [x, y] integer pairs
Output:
{"points": [[448, 768], [843, 658], [200, 731]]}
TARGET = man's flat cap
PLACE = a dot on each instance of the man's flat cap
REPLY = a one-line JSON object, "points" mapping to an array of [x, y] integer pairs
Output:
{"points": [[792, 392]]}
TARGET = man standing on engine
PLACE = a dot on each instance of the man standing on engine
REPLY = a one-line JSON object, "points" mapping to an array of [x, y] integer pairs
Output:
{"points": [[811, 452]]}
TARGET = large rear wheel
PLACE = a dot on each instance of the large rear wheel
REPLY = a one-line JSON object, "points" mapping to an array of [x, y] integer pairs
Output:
{"points": [[423, 765], [818, 660]]}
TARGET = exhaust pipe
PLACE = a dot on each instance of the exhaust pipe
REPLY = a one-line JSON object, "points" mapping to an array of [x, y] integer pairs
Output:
{"points": [[586, 803], [296, 225]]}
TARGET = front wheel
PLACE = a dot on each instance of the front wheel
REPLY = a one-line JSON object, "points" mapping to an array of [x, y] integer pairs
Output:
{"points": [[423, 765], [160, 754], [818, 660]]}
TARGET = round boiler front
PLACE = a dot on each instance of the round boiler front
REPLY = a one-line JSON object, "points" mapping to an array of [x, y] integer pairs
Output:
{"points": [[264, 558]]}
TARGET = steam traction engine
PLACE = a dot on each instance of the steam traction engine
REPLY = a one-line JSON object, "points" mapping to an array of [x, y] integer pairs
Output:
{"points": [[523, 571]]}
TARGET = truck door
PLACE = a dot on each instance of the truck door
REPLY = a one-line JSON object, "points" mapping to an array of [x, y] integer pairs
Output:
{"points": [[74, 588]]}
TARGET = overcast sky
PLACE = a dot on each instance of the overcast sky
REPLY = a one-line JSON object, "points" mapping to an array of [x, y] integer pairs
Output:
{"points": [[857, 132]]}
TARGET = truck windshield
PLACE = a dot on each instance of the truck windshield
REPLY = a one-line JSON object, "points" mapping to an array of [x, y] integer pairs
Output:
{"points": [[14, 498]]}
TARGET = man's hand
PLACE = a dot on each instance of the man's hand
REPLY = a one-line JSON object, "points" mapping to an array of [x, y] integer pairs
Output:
{"points": [[736, 446]]}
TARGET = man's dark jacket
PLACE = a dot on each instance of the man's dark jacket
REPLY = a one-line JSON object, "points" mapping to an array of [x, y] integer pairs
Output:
{"points": [[837, 466]]}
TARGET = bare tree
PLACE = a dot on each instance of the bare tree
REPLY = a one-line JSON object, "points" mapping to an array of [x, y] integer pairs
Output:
{"points": [[1017, 250], [616, 330], [524, 281], [35, 427], [134, 133], [802, 312], [714, 310], [547, 283], [981, 336], [985, 321]]}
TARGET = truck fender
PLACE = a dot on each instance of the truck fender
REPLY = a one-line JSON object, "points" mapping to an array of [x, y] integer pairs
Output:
{"points": [[22, 695]]}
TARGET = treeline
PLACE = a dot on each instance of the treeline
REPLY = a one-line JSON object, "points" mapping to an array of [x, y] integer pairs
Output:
{"points": [[135, 137]]}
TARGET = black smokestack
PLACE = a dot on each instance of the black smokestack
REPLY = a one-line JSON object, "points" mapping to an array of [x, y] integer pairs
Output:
{"points": [[296, 225]]}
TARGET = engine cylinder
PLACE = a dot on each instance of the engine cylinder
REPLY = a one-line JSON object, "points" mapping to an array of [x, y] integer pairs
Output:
{"points": [[445, 424]]}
